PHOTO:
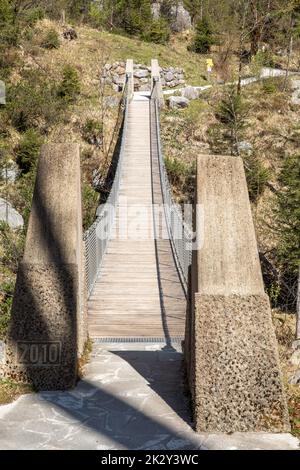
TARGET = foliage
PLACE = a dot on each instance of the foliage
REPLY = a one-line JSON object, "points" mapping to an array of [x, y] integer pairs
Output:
{"points": [[90, 203], [6, 296], [92, 130], [231, 112], [69, 87], [28, 150], [264, 58], [181, 175], [33, 102], [12, 243], [288, 212], [269, 86], [204, 37], [257, 176], [158, 32], [50, 39]]}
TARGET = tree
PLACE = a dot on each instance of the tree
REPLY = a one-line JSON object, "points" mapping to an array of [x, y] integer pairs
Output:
{"points": [[196, 9], [231, 113], [288, 218], [69, 88], [204, 37]]}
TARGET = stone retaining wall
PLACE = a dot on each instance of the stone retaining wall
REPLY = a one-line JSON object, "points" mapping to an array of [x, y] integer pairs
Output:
{"points": [[114, 75]]}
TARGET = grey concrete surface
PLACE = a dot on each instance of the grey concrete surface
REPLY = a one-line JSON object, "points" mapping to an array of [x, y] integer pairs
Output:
{"points": [[231, 348], [132, 397], [48, 310]]}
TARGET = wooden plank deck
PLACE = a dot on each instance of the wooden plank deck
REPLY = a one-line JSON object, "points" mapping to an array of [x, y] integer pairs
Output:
{"points": [[138, 292]]}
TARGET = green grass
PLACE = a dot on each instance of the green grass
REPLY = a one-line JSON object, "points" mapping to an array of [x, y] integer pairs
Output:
{"points": [[174, 54]]}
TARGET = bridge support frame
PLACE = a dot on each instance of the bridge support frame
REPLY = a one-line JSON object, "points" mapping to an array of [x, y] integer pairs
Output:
{"points": [[230, 346], [48, 328]]}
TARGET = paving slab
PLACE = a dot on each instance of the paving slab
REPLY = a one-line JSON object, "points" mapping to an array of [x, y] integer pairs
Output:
{"points": [[132, 397]]}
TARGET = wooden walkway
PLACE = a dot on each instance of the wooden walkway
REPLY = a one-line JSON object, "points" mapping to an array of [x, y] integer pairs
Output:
{"points": [[138, 292]]}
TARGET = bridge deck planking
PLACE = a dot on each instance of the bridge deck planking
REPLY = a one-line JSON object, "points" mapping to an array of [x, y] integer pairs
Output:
{"points": [[138, 292]]}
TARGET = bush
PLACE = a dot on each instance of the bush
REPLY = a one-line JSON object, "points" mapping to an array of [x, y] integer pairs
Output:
{"points": [[32, 16], [203, 39], [257, 176], [288, 212], [6, 298], [69, 88], [9, 29], [231, 113], [158, 32], [33, 102], [264, 59], [50, 40], [96, 16], [90, 204], [269, 86], [92, 132], [28, 150]]}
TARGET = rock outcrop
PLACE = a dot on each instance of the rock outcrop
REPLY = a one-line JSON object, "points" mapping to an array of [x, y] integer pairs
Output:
{"points": [[180, 19]]}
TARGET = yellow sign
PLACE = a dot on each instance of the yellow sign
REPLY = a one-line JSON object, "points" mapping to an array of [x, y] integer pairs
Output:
{"points": [[209, 63]]}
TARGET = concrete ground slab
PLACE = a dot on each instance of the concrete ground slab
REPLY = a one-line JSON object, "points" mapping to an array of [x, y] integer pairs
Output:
{"points": [[132, 397]]}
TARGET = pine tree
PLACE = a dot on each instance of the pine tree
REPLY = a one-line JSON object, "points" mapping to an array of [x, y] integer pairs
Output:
{"points": [[204, 37], [289, 215]]}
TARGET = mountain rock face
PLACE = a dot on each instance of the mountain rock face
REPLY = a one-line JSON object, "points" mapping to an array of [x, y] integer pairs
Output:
{"points": [[180, 19]]}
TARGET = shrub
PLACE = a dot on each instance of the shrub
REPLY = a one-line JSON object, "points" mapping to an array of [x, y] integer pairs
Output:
{"points": [[9, 29], [69, 88], [157, 32], [50, 40], [203, 39], [269, 86], [92, 132], [32, 16], [257, 176], [90, 204], [231, 113], [96, 16], [28, 150], [33, 102], [289, 214], [264, 59], [6, 296]]}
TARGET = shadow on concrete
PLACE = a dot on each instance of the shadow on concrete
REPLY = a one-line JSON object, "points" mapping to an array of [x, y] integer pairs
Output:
{"points": [[118, 423], [163, 370]]}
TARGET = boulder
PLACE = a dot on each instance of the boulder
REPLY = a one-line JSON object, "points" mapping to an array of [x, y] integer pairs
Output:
{"points": [[11, 172], [9, 215], [2, 92], [70, 34], [295, 358], [141, 73], [178, 102], [190, 92], [169, 76], [295, 379], [245, 147]]}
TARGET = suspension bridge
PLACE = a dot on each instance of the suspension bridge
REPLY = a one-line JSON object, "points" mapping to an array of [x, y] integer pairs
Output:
{"points": [[144, 275]]}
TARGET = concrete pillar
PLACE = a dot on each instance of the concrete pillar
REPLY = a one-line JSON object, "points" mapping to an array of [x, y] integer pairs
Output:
{"points": [[129, 79], [48, 328], [156, 86], [230, 347]]}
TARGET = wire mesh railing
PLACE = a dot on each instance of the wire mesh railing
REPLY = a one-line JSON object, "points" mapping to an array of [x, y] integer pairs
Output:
{"points": [[179, 232], [97, 236]]}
